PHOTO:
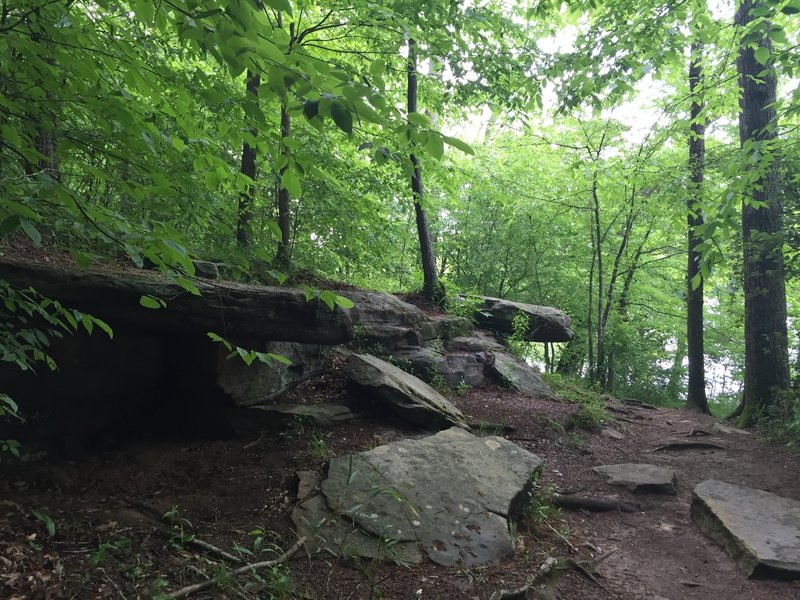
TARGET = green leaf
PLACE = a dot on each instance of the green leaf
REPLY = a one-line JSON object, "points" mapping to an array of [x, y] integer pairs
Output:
{"points": [[31, 231], [419, 119], [311, 109], [48, 522], [283, 5], [342, 117], [457, 143], [151, 302], [9, 225], [762, 55], [291, 183], [435, 146]]}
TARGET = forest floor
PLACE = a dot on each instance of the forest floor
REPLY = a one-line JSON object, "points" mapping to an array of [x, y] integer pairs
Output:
{"points": [[91, 527]]}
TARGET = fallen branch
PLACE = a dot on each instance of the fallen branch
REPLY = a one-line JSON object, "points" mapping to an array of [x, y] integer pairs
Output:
{"points": [[522, 592], [191, 542], [592, 504], [199, 587]]}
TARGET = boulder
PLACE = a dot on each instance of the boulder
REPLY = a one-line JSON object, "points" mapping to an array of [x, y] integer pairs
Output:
{"points": [[520, 376], [760, 531], [448, 496], [402, 393], [259, 382], [545, 324], [639, 478], [454, 368]]}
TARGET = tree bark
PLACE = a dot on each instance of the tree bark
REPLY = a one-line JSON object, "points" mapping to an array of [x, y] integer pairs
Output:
{"points": [[766, 338], [244, 236], [696, 391], [430, 288], [283, 257]]}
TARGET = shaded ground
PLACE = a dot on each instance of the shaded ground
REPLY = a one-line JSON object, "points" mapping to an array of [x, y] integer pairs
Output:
{"points": [[238, 494]]}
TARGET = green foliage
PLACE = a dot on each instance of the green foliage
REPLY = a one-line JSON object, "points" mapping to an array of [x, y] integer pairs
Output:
{"points": [[47, 521], [318, 448], [516, 341], [463, 305], [781, 421], [593, 408], [99, 556], [540, 509]]}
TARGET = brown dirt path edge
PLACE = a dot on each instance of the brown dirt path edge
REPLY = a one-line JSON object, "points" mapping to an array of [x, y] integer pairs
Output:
{"points": [[226, 491]]}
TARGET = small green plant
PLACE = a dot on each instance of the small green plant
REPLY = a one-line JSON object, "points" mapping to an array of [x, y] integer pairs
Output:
{"points": [[780, 423], [436, 379], [180, 535], [540, 509], [47, 521], [463, 305], [319, 448], [593, 408], [404, 364], [99, 555], [462, 388], [9, 410], [519, 330]]}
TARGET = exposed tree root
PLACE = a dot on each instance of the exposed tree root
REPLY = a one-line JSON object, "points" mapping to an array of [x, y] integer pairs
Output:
{"points": [[688, 446], [199, 587], [521, 593], [592, 504]]}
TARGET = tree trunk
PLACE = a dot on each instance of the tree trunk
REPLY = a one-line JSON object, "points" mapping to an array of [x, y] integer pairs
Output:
{"points": [[696, 392], [430, 288], [244, 234], [283, 256], [766, 339]]}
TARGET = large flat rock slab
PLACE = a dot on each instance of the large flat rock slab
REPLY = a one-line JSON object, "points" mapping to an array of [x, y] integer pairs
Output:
{"points": [[639, 477], [404, 394], [239, 311], [449, 494], [545, 324], [761, 531]]}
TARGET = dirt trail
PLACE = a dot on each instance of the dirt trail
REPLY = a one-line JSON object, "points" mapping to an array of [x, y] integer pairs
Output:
{"points": [[226, 490]]}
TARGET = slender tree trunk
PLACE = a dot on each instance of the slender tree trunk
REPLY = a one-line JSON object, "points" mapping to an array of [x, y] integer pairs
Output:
{"points": [[600, 364], [590, 320], [696, 391], [430, 288], [244, 233], [766, 338], [283, 256]]}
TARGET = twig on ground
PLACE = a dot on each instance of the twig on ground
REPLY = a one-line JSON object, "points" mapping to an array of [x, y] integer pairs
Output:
{"points": [[522, 592], [192, 542], [562, 536], [199, 587], [255, 442]]}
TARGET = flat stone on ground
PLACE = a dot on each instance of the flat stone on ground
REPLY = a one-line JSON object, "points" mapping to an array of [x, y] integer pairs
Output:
{"points": [[761, 531], [448, 495], [639, 477]]}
